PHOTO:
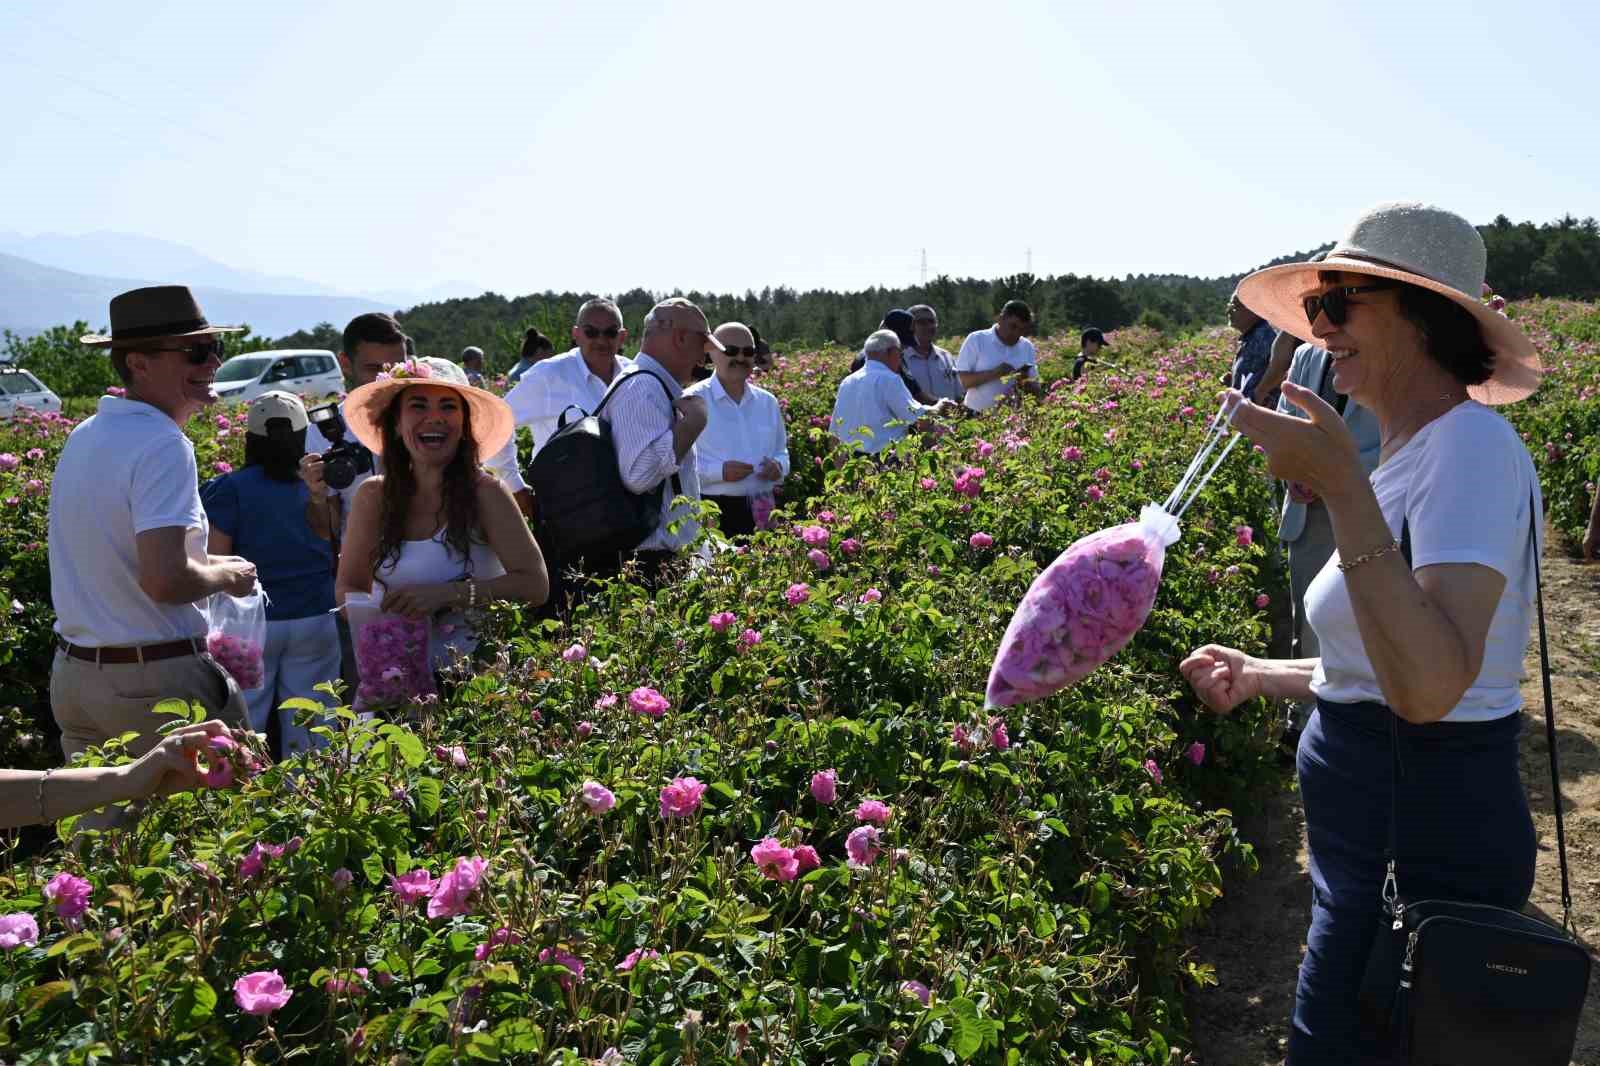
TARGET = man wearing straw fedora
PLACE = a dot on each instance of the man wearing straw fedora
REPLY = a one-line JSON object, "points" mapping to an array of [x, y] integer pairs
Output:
{"points": [[128, 563]]}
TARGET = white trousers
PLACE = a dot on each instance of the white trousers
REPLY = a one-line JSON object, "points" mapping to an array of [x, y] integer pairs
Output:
{"points": [[301, 653]]}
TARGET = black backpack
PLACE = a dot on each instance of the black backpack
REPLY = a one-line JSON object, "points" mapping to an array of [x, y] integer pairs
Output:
{"points": [[585, 510]]}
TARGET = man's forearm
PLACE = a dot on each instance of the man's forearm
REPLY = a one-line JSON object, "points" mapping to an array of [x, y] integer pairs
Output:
{"points": [[684, 433], [194, 581]]}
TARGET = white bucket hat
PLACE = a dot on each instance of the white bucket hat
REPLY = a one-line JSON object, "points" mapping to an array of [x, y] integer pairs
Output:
{"points": [[1419, 245]]}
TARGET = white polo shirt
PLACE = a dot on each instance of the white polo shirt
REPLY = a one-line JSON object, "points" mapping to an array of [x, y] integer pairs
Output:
{"points": [[126, 470], [743, 431], [553, 385], [983, 350], [868, 401]]}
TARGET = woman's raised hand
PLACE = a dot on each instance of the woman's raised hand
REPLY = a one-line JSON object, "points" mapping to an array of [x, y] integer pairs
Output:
{"points": [[1222, 677], [1319, 452]]}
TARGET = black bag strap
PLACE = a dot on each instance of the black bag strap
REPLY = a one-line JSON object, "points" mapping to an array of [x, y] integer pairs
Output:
{"points": [[677, 485], [1397, 769]]}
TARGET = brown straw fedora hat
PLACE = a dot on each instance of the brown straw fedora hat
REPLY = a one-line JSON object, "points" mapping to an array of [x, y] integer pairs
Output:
{"points": [[492, 420], [156, 313], [1419, 245]]}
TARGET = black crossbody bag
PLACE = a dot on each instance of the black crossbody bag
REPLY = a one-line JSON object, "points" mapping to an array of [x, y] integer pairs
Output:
{"points": [[1469, 984]]}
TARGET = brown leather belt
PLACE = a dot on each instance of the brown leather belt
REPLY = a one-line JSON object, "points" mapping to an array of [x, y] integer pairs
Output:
{"points": [[137, 653]]}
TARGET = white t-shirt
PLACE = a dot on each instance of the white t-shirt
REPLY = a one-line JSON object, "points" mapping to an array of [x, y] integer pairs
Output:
{"points": [[1463, 485], [983, 350], [126, 470]]}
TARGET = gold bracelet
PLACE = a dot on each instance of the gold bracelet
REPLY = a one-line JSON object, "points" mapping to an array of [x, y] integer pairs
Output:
{"points": [[42, 819], [1367, 557]]}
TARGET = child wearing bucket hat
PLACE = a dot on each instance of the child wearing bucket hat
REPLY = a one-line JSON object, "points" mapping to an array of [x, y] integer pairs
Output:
{"points": [[266, 513], [434, 534], [1424, 611]]}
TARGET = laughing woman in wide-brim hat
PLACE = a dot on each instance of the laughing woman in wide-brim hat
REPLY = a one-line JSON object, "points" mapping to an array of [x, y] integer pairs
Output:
{"points": [[1433, 643], [434, 531]]}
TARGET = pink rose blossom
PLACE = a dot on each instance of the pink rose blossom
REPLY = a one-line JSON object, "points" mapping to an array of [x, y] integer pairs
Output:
{"points": [[412, 887], [573, 964], [1195, 753], [635, 957], [261, 992], [342, 879], [806, 858], [871, 596], [863, 845], [8, 462], [681, 798], [928, 484], [963, 740], [1244, 535], [797, 594], [501, 937], [819, 559], [827, 518], [825, 786], [1153, 770], [606, 702], [597, 797], [1263, 600], [455, 755], [721, 621], [583, 730], [17, 931], [850, 546], [646, 700], [454, 891], [575, 653], [981, 540], [219, 762], [998, 735], [815, 536], [1095, 492], [1072, 453], [917, 989], [873, 811], [749, 639], [776, 862], [223, 467]]}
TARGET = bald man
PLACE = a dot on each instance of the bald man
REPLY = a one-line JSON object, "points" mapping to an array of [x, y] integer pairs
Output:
{"points": [[744, 451]]}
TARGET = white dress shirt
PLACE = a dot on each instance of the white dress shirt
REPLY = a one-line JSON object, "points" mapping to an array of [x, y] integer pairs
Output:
{"points": [[984, 350], [742, 431], [551, 386], [868, 401], [934, 373], [642, 417]]}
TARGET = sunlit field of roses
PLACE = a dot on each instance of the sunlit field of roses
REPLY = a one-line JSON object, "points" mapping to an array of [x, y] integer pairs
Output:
{"points": [[761, 817]]}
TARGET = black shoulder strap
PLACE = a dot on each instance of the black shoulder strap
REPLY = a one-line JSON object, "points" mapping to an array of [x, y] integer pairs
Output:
{"points": [[1549, 710], [677, 485]]}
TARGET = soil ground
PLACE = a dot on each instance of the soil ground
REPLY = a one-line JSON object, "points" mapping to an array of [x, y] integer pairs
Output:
{"points": [[1255, 935]]}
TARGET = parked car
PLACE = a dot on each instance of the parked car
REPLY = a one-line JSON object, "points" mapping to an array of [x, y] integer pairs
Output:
{"points": [[19, 388], [309, 372]]}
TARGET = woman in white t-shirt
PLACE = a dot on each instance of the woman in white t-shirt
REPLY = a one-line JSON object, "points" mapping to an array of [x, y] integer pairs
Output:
{"points": [[1423, 612], [434, 532]]}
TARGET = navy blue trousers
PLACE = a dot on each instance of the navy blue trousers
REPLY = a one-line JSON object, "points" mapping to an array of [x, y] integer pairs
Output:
{"points": [[1463, 832]]}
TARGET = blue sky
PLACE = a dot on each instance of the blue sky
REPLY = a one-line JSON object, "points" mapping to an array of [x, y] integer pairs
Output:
{"points": [[723, 146]]}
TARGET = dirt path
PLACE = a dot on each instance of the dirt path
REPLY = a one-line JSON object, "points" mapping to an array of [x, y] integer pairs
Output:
{"points": [[1255, 935]]}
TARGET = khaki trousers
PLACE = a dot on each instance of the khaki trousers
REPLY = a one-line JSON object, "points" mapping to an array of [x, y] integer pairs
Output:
{"points": [[93, 702]]}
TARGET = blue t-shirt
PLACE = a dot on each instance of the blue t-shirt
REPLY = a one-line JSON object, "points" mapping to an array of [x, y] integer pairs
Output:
{"points": [[267, 521]]}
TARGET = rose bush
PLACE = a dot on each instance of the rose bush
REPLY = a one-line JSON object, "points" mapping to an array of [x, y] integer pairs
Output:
{"points": [[689, 845]]}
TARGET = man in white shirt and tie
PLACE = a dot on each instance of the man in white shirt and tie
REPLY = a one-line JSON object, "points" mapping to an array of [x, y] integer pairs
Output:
{"points": [[576, 379], [874, 408], [996, 360], [744, 451]]}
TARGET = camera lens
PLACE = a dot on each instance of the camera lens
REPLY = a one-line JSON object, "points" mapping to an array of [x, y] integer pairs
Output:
{"points": [[339, 471]]}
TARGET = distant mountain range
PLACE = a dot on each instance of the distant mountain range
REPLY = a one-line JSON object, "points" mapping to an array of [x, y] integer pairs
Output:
{"points": [[49, 278]]}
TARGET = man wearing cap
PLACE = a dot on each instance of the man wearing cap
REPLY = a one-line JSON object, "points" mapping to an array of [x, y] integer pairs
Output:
{"points": [[129, 571], [994, 361], [655, 429], [576, 379], [472, 363], [930, 366], [874, 408], [1089, 345], [744, 451]]}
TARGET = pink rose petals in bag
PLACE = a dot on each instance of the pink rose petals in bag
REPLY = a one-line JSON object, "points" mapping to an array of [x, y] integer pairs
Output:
{"points": [[1088, 603], [392, 655], [236, 635]]}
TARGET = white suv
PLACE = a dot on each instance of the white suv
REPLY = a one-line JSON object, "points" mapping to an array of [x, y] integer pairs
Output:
{"points": [[309, 372], [19, 388]]}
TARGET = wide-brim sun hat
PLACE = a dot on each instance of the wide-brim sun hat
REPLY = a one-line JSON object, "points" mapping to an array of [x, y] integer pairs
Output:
{"points": [[1415, 244], [492, 421]]}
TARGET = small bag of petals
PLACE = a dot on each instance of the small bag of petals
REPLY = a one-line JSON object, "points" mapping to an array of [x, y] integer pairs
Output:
{"points": [[1088, 603], [236, 634], [392, 656]]}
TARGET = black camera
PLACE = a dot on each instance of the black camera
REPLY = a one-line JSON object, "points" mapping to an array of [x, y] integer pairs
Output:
{"points": [[345, 460]]}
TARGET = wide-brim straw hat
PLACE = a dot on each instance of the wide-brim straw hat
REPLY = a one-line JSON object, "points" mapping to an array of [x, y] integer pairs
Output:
{"points": [[1419, 245], [492, 421], [141, 317]]}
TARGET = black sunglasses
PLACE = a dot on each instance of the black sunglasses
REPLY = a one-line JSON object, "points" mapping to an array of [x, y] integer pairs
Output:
{"points": [[733, 350], [1335, 303], [610, 332], [200, 351]]}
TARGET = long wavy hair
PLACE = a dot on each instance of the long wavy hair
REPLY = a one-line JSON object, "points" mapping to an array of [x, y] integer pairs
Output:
{"points": [[458, 507]]}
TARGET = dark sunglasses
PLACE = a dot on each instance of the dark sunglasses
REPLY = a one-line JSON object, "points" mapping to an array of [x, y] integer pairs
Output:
{"points": [[1335, 303], [733, 351], [200, 351], [610, 332]]}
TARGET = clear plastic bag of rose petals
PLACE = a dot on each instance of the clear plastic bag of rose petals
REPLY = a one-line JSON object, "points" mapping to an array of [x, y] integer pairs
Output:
{"points": [[1082, 609], [392, 656], [1088, 603], [236, 635]]}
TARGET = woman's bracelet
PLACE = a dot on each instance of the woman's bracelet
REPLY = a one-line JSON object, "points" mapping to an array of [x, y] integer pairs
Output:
{"points": [[42, 819], [1345, 566]]}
